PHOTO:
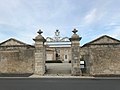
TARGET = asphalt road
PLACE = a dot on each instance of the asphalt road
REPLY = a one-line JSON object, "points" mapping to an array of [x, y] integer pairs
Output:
{"points": [[58, 84]]}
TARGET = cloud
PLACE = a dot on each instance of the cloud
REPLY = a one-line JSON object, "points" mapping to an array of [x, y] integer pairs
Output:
{"points": [[90, 17], [94, 16], [23, 18]]}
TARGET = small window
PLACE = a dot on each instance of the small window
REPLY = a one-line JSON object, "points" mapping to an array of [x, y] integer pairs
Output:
{"points": [[65, 56]]}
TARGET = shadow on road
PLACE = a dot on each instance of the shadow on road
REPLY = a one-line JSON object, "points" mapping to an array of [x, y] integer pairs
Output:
{"points": [[16, 75]]}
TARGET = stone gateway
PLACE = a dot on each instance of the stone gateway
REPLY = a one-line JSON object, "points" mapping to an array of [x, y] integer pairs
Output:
{"points": [[100, 57]]}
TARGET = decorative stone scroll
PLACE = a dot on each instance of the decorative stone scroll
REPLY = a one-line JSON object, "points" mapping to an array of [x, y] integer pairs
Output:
{"points": [[57, 38]]}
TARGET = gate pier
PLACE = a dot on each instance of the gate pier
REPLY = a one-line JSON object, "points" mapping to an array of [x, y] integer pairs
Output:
{"points": [[39, 67], [75, 54]]}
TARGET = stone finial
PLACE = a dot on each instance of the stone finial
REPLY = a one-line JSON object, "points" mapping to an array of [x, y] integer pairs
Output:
{"points": [[39, 37], [40, 31], [75, 37], [75, 31]]}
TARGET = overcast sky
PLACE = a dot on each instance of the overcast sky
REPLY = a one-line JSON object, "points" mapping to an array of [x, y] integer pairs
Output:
{"points": [[21, 19]]}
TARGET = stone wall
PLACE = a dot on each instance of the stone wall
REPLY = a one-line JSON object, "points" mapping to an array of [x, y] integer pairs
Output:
{"points": [[84, 56], [104, 60], [17, 61], [65, 51]]}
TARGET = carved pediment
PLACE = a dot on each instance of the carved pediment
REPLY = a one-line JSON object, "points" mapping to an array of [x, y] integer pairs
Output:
{"points": [[11, 42], [104, 40]]}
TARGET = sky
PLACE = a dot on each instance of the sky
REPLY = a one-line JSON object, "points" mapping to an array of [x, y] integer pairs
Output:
{"points": [[21, 19]]}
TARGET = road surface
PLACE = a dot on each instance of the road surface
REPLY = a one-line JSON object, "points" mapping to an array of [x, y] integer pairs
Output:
{"points": [[58, 84]]}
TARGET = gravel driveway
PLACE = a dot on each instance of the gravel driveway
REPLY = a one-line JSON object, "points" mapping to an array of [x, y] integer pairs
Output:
{"points": [[58, 68]]}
